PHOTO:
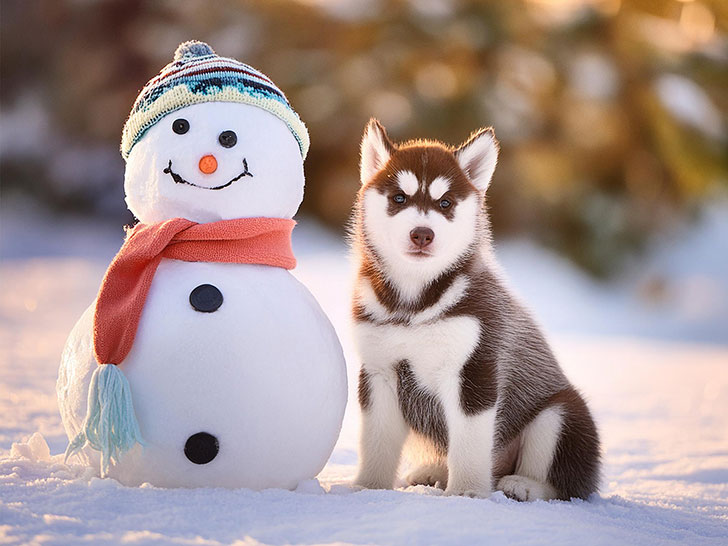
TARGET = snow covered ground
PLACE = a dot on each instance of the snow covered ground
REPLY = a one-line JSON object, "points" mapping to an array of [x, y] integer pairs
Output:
{"points": [[654, 366]]}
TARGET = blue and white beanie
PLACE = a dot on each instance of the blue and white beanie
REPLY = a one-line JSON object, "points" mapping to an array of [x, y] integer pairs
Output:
{"points": [[197, 74]]}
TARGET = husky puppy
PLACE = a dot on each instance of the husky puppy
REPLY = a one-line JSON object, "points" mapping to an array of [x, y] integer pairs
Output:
{"points": [[449, 357]]}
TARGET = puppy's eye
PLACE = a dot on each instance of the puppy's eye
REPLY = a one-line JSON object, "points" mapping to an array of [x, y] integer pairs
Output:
{"points": [[445, 203], [180, 126], [399, 198]]}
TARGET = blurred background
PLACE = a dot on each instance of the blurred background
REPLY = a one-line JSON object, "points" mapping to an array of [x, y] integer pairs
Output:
{"points": [[612, 117]]}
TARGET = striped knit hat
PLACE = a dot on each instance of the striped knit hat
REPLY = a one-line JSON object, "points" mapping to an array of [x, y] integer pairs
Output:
{"points": [[197, 74]]}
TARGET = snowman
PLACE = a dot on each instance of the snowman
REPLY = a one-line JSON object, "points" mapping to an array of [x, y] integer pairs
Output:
{"points": [[203, 361]]}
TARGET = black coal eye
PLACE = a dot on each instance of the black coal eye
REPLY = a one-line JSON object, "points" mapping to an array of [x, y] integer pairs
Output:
{"points": [[228, 139], [399, 198], [180, 126], [445, 203]]}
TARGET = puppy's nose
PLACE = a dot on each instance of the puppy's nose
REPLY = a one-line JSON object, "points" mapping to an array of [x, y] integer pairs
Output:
{"points": [[208, 164], [422, 236]]}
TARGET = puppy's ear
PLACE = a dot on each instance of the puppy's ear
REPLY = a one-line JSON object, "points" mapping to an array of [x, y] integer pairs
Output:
{"points": [[478, 157], [376, 149]]}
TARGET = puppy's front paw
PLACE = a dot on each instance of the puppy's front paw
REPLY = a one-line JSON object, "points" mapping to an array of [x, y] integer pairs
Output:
{"points": [[474, 492], [525, 489], [434, 475]]}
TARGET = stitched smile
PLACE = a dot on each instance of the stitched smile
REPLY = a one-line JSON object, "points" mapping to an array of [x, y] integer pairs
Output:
{"points": [[179, 180]]}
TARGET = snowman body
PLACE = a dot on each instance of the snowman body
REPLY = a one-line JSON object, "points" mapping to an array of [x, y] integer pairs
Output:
{"points": [[236, 374]]}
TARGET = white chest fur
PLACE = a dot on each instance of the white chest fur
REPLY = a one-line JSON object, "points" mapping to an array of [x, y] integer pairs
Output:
{"points": [[435, 350]]}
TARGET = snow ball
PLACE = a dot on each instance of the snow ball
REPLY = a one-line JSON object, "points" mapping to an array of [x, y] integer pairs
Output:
{"points": [[36, 449], [310, 487]]}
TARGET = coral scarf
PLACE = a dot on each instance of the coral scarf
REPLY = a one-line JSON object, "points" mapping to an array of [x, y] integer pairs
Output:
{"points": [[126, 284]]}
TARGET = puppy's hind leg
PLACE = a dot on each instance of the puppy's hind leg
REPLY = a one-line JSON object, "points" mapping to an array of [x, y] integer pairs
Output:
{"points": [[559, 454], [538, 445]]}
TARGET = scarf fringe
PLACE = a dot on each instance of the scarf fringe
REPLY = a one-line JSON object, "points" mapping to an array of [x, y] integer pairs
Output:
{"points": [[111, 426]]}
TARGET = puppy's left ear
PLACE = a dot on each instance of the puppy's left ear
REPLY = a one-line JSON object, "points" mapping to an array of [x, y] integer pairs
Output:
{"points": [[478, 157], [376, 149]]}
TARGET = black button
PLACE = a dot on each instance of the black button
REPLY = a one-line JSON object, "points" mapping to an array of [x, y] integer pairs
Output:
{"points": [[228, 139], [201, 448], [206, 298]]}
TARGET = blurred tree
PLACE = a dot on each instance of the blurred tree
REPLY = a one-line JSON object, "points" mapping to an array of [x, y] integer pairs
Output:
{"points": [[612, 114]]}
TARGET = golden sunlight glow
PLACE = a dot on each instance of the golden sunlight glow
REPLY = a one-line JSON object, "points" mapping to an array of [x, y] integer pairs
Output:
{"points": [[560, 11], [436, 81], [697, 22]]}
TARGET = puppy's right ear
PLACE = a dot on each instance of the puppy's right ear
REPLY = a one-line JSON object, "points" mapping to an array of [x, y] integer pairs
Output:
{"points": [[478, 157], [376, 149]]}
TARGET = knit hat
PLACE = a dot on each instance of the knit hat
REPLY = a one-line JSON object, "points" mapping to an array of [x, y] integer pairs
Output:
{"points": [[197, 74]]}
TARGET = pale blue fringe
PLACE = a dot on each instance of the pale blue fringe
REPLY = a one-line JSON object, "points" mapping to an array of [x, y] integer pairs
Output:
{"points": [[111, 426]]}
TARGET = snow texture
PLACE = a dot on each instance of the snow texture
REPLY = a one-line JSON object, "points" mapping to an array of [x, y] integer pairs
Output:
{"points": [[661, 403]]}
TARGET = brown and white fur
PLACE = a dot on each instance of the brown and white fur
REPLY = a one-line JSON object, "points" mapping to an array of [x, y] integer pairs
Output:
{"points": [[449, 358]]}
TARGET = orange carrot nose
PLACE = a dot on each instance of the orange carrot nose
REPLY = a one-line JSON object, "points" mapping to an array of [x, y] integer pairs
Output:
{"points": [[208, 164]]}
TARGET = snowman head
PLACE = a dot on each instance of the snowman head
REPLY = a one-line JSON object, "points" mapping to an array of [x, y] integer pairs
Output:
{"points": [[211, 139]]}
